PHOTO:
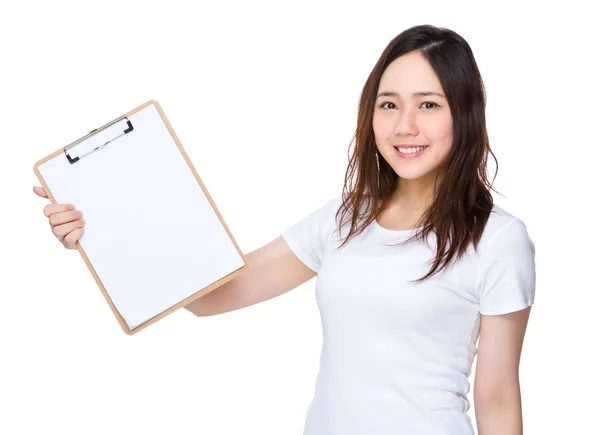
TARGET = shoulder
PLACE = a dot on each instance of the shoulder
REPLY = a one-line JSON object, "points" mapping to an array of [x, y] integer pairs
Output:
{"points": [[320, 218], [333, 203], [336, 201], [328, 210], [499, 217], [505, 233], [502, 221]]}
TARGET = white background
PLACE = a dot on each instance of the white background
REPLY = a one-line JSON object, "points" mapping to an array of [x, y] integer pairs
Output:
{"points": [[263, 97]]}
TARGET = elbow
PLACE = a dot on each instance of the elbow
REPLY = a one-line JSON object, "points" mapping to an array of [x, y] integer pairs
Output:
{"points": [[196, 311], [502, 395], [191, 310]]}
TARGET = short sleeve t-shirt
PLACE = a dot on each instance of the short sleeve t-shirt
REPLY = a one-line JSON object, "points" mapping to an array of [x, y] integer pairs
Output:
{"points": [[397, 355]]}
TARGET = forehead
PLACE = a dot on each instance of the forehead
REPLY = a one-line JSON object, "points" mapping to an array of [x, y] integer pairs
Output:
{"points": [[409, 73]]}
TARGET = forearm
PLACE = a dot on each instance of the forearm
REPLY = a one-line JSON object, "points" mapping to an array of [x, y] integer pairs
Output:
{"points": [[499, 416], [270, 271], [207, 304]]}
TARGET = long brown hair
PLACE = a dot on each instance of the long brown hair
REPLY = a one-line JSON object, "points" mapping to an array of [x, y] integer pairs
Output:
{"points": [[462, 201]]}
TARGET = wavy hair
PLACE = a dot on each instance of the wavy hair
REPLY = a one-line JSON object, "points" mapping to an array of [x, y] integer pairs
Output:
{"points": [[462, 201]]}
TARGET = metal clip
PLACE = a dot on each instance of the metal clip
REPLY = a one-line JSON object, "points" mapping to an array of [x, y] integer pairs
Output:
{"points": [[93, 132]]}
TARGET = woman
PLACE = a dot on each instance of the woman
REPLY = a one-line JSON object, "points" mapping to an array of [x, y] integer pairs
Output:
{"points": [[415, 261]]}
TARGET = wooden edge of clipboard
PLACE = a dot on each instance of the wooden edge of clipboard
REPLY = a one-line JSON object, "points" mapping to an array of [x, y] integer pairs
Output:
{"points": [[190, 298]]}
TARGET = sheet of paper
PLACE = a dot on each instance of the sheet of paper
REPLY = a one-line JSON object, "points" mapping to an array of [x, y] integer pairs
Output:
{"points": [[151, 234]]}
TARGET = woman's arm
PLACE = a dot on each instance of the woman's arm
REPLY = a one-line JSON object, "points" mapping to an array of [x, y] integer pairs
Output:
{"points": [[497, 393], [272, 270]]}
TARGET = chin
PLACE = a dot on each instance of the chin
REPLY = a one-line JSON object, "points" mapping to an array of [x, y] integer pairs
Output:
{"points": [[411, 176], [414, 173]]}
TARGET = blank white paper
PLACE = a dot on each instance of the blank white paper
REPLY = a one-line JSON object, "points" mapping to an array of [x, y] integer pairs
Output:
{"points": [[151, 234]]}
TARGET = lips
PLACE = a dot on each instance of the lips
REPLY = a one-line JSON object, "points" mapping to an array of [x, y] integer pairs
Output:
{"points": [[411, 155]]}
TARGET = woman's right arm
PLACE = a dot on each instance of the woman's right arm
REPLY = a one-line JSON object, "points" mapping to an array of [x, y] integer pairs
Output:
{"points": [[270, 271]]}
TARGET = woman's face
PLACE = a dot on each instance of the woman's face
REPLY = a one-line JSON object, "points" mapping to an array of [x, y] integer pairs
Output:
{"points": [[403, 117]]}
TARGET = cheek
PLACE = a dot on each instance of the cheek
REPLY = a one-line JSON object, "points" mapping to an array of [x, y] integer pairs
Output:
{"points": [[438, 129], [441, 135], [379, 127]]}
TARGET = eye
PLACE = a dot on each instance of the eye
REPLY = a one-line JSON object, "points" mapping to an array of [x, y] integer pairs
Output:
{"points": [[431, 102], [381, 106]]}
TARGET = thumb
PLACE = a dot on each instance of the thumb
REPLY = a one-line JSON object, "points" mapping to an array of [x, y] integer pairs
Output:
{"points": [[40, 191]]}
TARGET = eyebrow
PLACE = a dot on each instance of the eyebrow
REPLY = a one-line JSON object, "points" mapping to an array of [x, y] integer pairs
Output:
{"points": [[414, 94]]}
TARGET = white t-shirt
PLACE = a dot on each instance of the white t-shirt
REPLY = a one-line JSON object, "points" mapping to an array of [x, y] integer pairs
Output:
{"points": [[397, 356]]}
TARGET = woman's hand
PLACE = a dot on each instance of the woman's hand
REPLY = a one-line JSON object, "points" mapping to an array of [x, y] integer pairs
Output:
{"points": [[66, 222]]}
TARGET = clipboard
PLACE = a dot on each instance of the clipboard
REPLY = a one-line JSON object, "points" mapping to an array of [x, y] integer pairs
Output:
{"points": [[154, 238]]}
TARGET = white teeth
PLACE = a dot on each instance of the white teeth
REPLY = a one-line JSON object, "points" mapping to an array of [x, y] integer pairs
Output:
{"points": [[410, 150]]}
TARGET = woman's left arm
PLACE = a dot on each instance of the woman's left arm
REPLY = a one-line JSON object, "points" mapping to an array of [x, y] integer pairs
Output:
{"points": [[497, 393]]}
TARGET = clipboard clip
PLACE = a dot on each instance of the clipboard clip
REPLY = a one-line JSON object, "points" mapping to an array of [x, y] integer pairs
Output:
{"points": [[96, 131]]}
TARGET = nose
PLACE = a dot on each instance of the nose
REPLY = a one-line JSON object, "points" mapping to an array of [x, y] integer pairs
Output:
{"points": [[406, 124]]}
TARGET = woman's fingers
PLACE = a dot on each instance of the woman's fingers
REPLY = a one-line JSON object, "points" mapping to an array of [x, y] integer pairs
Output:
{"points": [[40, 191], [63, 231], [70, 239], [51, 209], [64, 217]]}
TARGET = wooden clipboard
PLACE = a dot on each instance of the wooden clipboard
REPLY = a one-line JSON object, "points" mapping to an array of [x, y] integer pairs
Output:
{"points": [[70, 156]]}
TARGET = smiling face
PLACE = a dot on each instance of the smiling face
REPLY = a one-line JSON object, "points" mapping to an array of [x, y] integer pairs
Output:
{"points": [[403, 116]]}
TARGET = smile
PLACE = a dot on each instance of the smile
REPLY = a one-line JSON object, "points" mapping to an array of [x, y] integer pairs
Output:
{"points": [[409, 153]]}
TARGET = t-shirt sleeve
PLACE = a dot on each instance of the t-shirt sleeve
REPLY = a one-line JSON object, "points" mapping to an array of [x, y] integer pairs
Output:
{"points": [[307, 237], [507, 270]]}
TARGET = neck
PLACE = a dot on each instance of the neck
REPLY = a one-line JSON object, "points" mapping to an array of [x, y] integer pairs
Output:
{"points": [[412, 194]]}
